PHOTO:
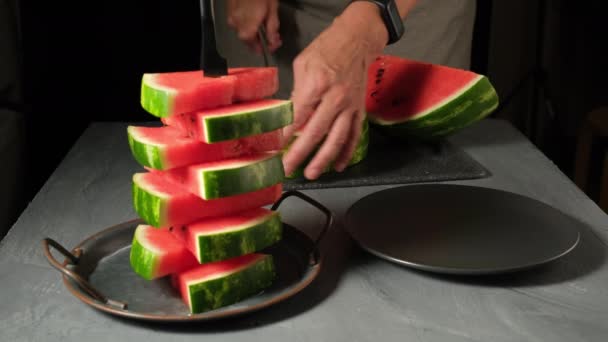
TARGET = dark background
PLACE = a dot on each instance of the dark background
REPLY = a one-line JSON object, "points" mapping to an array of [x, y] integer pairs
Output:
{"points": [[80, 63]]}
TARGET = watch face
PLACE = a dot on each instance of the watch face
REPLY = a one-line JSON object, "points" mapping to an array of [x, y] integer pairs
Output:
{"points": [[392, 19], [397, 22]]}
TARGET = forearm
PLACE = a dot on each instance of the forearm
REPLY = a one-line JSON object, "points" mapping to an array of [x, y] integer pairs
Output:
{"points": [[404, 7], [364, 17]]}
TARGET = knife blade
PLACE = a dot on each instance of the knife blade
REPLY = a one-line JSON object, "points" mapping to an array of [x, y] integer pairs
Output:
{"points": [[264, 43], [212, 63]]}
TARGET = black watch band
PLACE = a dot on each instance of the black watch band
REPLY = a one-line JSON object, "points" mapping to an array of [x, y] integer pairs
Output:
{"points": [[392, 19]]}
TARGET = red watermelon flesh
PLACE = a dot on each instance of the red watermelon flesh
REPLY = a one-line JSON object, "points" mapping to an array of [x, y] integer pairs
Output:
{"points": [[163, 203], [164, 148], [254, 83], [220, 238], [220, 283], [399, 89], [180, 92], [166, 94], [230, 177], [156, 252], [252, 117]]}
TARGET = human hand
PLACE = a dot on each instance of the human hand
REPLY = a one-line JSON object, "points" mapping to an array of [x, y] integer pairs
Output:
{"points": [[246, 16], [330, 78]]}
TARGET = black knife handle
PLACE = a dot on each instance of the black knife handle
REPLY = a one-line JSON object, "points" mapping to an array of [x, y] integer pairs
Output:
{"points": [[211, 62]]}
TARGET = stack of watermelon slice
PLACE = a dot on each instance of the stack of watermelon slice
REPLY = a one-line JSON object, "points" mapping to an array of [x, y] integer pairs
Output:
{"points": [[211, 169]]}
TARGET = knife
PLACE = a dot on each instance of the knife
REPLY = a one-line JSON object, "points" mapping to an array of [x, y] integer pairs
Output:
{"points": [[264, 43], [212, 63]]}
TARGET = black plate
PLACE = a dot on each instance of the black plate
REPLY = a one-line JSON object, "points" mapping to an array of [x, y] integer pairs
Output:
{"points": [[460, 229], [97, 272]]}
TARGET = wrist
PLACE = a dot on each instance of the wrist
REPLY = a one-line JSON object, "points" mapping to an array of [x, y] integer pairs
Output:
{"points": [[364, 19]]}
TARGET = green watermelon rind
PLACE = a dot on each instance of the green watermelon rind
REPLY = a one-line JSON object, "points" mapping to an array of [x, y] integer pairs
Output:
{"points": [[142, 260], [359, 154], [459, 111], [156, 100], [247, 123], [145, 154], [235, 287], [233, 243], [148, 206], [229, 181]]}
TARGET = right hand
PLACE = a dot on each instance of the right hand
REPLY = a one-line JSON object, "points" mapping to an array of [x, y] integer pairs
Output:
{"points": [[246, 16]]}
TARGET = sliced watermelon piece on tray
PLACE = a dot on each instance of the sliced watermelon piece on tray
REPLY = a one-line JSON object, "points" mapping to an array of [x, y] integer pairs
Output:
{"points": [[221, 283], [156, 253], [234, 121], [166, 94], [230, 236], [408, 98], [358, 155], [230, 177], [163, 203], [164, 148]]}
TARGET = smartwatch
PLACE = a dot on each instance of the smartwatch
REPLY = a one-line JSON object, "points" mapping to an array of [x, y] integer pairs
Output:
{"points": [[392, 19]]}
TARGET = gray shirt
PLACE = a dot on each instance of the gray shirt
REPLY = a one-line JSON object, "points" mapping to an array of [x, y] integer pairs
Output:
{"points": [[436, 31]]}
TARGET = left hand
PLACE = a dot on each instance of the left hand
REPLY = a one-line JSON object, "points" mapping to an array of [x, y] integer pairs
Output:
{"points": [[330, 78], [246, 16]]}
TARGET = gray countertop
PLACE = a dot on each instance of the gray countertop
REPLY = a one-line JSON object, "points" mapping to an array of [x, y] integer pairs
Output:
{"points": [[356, 298]]}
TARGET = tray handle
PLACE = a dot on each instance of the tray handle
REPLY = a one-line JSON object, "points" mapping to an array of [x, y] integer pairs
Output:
{"points": [[85, 285], [329, 217]]}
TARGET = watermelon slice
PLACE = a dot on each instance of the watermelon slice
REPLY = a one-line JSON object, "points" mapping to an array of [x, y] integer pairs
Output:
{"points": [[221, 283], [231, 176], [234, 121], [231, 236], [254, 83], [163, 203], [358, 155], [413, 99], [164, 148], [166, 94], [156, 253]]}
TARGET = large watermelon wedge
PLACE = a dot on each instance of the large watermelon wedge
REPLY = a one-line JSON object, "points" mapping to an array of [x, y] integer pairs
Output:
{"points": [[155, 253], [230, 177], [358, 155], [221, 283], [230, 236], [234, 121], [163, 203], [164, 148], [166, 94], [413, 99]]}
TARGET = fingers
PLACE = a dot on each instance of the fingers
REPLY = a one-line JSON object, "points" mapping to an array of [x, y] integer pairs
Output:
{"points": [[348, 149], [272, 27], [246, 18], [316, 128], [337, 139], [303, 109], [307, 94]]}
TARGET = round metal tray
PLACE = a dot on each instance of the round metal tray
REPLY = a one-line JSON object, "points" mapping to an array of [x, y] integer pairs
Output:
{"points": [[97, 272], [457, 229]]}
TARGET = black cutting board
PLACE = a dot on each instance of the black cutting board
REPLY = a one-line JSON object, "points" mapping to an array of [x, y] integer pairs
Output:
{"points": [[390, 161]]}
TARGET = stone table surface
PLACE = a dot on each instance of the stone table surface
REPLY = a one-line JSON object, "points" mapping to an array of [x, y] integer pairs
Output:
{"points": [[357, 297]]}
